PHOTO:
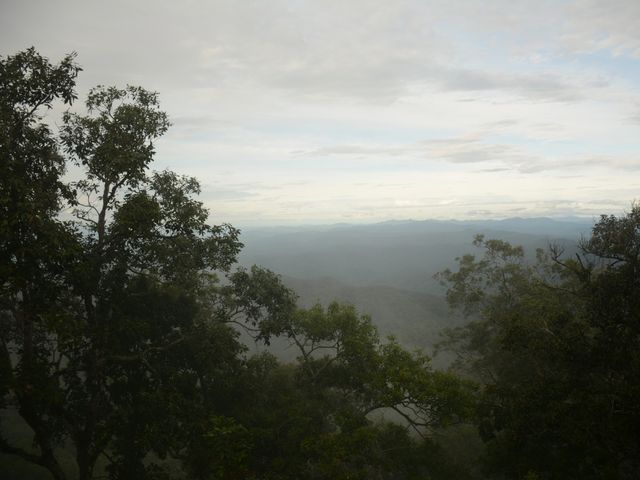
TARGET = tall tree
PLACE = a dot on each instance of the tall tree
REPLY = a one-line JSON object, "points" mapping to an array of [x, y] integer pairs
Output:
{"points": [[119, 339], [117, 330], [34, 244], [556, 344]]}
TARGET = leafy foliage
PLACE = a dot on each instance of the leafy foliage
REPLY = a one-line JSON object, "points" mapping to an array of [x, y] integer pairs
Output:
{"points": [[556, 345], [119, 323], [325, 416], [116, 332]]}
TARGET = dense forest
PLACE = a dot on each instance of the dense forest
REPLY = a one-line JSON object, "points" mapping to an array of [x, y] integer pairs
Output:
{"points": [[126, 324]]}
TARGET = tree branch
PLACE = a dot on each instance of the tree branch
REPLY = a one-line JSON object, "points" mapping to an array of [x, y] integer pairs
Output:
{"points": [[5, 447]]}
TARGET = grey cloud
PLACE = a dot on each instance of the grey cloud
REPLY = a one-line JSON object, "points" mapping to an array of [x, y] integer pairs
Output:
{"points": [[473, 150], [251, 191], [507, 122], [542, 87], [389, 78], [215, 193], [459, 150], [198, 121], [353, 49], [255, 186], [603, 26], [361, 150], [481, 213], [191, 128], [624, 163]]}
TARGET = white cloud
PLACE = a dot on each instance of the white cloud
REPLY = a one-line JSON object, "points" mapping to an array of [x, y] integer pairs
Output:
{"points": [[355, 109]]}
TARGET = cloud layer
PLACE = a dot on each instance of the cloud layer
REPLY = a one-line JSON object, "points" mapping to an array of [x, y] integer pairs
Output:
{"points": [[304, 111]]}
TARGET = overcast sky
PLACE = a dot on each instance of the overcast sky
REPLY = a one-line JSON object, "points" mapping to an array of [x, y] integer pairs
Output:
{"points": [[360, 111]]}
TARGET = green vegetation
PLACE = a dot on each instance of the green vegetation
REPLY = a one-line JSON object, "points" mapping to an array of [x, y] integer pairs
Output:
{"points": [[120, 308], [123, 312], [555, 345]]}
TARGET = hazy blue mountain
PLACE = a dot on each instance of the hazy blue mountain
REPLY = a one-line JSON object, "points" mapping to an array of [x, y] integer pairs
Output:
{"points": [[570, 227], [386, 269], [400, 254]]}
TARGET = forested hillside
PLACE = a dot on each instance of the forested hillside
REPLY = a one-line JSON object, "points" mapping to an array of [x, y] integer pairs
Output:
{"points": [[388, 270]]}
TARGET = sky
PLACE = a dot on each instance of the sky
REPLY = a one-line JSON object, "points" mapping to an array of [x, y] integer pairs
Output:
{"points": [[362, 111]]}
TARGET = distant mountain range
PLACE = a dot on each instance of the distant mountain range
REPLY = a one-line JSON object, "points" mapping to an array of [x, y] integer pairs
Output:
{"points": [[386, 269]]}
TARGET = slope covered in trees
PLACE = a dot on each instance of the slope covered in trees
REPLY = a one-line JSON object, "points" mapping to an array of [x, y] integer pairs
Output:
{"points": [[387, 269]]}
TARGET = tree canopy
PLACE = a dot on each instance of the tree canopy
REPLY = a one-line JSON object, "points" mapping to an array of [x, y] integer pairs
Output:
{"points": [[121, 309], [115, 326], [555, 343]]}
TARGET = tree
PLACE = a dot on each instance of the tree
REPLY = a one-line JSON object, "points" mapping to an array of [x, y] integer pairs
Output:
{"points": [[33, 243], [324, 417], [117, 331], [120, 306], [555, 343]]}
